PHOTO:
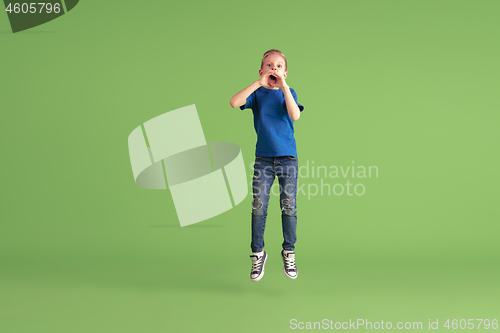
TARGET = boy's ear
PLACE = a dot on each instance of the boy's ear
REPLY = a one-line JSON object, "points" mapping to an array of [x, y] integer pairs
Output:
{"points": [[261, 72], [285, 74]]}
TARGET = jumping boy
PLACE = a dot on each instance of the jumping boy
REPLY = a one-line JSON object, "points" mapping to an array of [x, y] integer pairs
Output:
{"points": [[275, 108]]}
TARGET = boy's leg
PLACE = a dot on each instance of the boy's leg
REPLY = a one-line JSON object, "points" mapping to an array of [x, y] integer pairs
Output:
{"points": [[262, 180], [287, 177]]}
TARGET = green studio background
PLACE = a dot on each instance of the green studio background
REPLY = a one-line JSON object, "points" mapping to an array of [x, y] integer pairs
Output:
{"points": [[410, 87]]}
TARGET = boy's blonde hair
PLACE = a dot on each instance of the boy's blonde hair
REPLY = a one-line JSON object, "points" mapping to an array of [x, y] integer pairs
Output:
{"points": [[272, 51]]}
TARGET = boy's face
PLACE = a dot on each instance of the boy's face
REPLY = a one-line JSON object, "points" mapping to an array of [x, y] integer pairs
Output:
{"points": [[276, 63]]}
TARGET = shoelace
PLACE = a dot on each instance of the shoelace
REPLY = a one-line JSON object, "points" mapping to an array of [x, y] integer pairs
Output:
{"points": [[256, 263], [290, 262]]}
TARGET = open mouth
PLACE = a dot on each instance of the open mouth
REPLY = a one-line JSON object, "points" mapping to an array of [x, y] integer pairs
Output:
{"points": [[272, 77]]}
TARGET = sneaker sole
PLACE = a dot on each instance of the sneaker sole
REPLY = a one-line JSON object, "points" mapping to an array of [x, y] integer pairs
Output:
{"points": [[284, 270], [262, 274]]}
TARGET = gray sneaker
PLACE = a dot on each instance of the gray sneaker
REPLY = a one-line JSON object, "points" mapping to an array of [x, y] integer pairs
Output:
{"points": [[258, 263], [289, 267]]}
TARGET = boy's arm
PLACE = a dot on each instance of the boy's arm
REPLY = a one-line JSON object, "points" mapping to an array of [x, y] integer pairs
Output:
{"points": [[241, 97], [291, 105]]}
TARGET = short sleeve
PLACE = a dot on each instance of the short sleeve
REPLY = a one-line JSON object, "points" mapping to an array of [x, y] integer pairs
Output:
{"points": [[294, 94], [249, 102]]}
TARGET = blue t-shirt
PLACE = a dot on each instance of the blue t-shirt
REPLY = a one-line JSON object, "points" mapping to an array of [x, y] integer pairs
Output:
{"points": [[272, 123]]}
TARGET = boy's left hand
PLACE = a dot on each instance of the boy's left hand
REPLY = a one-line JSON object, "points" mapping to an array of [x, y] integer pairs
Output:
{"points": [[280, 80]]}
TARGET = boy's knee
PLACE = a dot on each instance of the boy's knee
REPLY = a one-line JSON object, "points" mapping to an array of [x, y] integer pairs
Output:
{"points": [[288, 207], [257, 207]]}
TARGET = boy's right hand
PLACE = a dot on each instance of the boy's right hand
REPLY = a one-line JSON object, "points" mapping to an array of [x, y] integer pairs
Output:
{"points": [[264, 79]]}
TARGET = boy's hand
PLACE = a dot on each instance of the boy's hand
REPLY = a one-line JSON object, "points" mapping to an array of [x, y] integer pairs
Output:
{"points": [[272, 79], [280, 80], [265, 79]]}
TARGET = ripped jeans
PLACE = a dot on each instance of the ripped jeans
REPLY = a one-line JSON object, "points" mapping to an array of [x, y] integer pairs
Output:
{"points": [[265, 170]]}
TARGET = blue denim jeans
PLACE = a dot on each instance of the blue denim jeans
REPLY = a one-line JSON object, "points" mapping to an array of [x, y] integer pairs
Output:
{"points": [[265, 170]]}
